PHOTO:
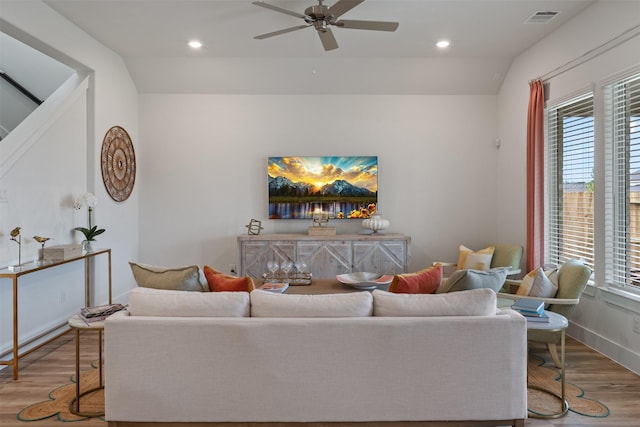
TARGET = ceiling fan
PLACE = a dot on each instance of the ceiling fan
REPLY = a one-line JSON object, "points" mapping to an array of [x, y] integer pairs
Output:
{"points": [[321, 17]]}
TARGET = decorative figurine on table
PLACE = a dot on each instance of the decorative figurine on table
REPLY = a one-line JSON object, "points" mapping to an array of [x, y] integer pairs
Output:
{"points": [[254, 227], [320, 224], [15, 233], [42, 241], [320, 219], [15, 236]]}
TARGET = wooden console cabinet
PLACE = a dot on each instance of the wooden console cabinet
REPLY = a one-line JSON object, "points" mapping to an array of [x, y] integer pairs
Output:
{"points": [[326, 256]]}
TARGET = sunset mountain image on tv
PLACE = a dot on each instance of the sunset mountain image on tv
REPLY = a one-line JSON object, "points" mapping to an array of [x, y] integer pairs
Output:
{"points": [[343, 187]]}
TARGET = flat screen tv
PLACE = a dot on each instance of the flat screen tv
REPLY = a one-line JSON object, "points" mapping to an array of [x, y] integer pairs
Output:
{"points": [[342, 187]]}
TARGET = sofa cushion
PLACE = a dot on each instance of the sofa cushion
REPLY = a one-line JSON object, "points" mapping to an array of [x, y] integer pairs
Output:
{"points": [[476, 302], [189, 278], [170, 303], [220, 282], [463, 280], [537, 284], [269, 304], [476, 260], [422, 282]]}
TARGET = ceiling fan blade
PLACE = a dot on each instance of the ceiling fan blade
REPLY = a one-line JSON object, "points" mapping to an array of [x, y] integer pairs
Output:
{"points": [[328, 39], [277, 33], [367, 25], [278, 9], [342, 6]]}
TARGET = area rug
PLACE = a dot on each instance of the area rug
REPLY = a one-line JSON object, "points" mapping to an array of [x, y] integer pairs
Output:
{"points": [[58, 403], [549, 378]]}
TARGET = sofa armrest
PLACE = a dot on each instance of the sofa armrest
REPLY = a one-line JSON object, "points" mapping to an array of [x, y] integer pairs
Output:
{"points": [[118, 314]]}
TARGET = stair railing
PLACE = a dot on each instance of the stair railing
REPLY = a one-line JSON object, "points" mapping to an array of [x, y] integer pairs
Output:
{"points": [[20, 88]]}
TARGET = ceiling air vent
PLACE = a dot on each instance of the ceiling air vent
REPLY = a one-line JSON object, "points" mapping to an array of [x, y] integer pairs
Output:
{"points": [[540, 17]]}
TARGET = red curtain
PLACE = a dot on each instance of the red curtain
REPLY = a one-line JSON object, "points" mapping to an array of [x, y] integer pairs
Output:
{"points": [[535, 176]]}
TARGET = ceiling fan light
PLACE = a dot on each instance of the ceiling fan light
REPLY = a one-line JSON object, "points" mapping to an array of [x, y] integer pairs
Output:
{"points": [[322, 17], [443, 44], [320, 25]]}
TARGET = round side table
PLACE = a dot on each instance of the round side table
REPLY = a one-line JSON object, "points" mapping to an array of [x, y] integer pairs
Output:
{"points": [[77, 324], [557, 323]]}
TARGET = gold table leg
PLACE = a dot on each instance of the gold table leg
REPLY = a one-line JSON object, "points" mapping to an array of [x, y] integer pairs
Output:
{"points": [[16, 355], [565, 404], [74, 404]]}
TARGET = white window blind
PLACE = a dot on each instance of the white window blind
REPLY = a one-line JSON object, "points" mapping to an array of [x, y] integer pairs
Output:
{"points": [[569, 181], [622, 180]]}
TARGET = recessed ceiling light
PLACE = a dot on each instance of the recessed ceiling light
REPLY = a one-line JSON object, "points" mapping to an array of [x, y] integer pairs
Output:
{"points": [[443, 44], [195, 44]]}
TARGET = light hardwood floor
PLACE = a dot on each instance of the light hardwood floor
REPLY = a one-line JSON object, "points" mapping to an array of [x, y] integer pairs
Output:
{"points": [[52, 366]]}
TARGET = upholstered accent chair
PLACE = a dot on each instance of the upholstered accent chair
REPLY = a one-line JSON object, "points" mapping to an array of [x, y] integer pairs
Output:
{"points": [[572, 278]]}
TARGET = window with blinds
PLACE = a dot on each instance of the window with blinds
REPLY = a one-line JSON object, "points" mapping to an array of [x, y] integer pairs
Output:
{"points": [[569, 181], [622, 180]]}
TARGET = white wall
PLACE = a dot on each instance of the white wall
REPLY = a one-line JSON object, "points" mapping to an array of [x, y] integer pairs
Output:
{"points": [[61, 162], [204, 157], [603, 320]]}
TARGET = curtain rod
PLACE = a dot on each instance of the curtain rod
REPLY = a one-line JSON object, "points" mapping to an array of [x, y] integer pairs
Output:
{"points": [[597, 51]]}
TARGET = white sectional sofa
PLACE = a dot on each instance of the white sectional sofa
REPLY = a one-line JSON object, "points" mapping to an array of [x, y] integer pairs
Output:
{"points": [[372, 359]]}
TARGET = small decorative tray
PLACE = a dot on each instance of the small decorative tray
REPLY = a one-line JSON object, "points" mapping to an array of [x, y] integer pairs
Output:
{"points": [[293, 279], [364, 280]]}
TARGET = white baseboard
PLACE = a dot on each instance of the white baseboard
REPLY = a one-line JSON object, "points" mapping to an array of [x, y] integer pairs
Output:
{"points": [[614, 351]]}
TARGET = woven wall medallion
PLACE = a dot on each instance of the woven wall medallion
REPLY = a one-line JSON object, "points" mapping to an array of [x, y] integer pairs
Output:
{"points": [[118, 161]]}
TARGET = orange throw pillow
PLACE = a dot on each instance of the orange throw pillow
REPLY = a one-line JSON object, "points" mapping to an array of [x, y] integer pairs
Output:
{"points": [[422, 282], [220, 282]]}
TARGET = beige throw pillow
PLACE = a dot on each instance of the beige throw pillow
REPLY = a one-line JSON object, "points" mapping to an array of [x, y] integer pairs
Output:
{"points": [[188, 278]]}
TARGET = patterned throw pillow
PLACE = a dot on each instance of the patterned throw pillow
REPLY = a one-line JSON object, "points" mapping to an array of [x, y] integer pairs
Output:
{"points": [[478, 260], [537, 284], [422, 282], [220, 282]]}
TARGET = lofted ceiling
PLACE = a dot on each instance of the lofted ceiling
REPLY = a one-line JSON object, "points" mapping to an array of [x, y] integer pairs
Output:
{"points": [[152, 35]]}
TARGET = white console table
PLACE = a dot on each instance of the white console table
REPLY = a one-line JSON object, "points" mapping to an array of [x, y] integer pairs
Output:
{"points": [[33, 267], [326, 256]]}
